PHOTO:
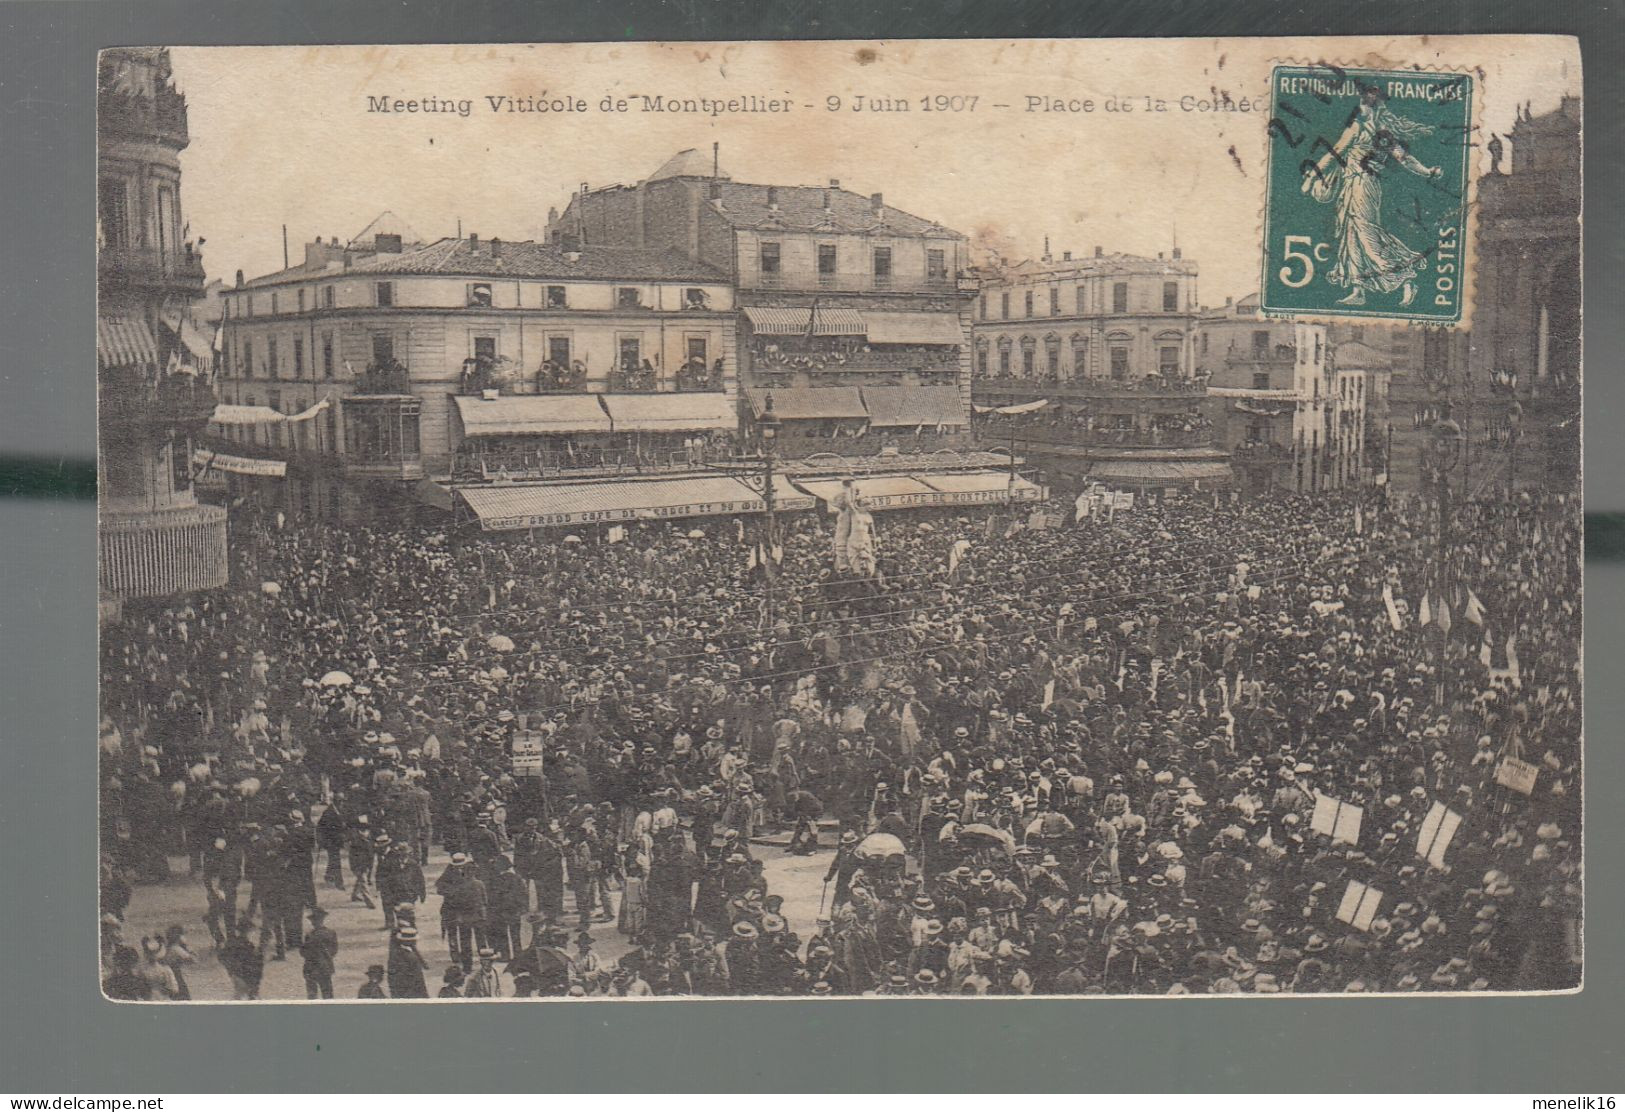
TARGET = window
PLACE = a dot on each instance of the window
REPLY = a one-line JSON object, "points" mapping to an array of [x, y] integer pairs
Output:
{"points": [[249, 301], [696, 298], [1080, 358], [1004, 361], [247, 367], [1027, 302], [385, 292], [981, 361], [936, 264], [558, 350], [485, 348], [981, 308], [1119, 362], [301, 299], [556, 298], [383, 348], [826, 260], [327, 297], [1027, 361], [327, 355], [1168, 360], [1170, 297], [1261, 344], [1119, 297], [769, 253], [1052, 355], [882, 266], [113, 211], [1055, 301], [1004, 306], [298, 357], [1083, 298], [274, 433], [274, 370], [631, 352], [628, 297], [1204, 343], [697, 350], [273, 304], [479, 295]]}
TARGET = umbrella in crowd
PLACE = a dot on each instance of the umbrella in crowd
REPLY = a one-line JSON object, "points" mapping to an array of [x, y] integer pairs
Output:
{"points": [[336, 678]]}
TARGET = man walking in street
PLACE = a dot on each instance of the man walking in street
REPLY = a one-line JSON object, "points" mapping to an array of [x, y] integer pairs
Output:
{"points": [[320, 948]]}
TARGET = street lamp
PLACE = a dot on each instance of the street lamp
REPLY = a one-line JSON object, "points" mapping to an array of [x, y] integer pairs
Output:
{"points": [[767, 427]]}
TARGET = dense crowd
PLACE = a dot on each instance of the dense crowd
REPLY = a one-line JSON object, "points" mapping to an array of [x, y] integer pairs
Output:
{"points": [[1074, 760]]}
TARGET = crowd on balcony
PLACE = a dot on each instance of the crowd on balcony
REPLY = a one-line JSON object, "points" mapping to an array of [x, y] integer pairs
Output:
{"points": [[636, 455], [1038, 790], [844, 353], [1064, 425], [1161, 383]]}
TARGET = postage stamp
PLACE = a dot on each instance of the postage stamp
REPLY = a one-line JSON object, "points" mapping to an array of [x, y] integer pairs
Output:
{"points": [[1366, 196]]}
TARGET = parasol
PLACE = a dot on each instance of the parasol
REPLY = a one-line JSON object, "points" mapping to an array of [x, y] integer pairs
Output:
{"points": [[696, 534], [881, 846], [500, 643], [271, 588], [336, 679], [989, 835]]}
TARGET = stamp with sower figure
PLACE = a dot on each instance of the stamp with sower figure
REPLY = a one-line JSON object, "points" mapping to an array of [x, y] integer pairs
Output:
{"points": [[1366, 193]]}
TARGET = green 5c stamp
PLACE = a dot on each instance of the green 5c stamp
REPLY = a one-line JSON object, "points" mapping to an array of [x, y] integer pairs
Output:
{"points": [[1366, 194]]}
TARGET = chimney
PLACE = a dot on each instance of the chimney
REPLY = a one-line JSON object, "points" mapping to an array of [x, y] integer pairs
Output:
{"points": [[1178, 254], [570, 242], [1159, 254], [474, 242], [239, 279], [387, 244], [826, 201], [877, 202], [1100, 252], [713, 190], [773, 198], [835, 183], [334, 241], [496, 248], [1066, 256], [583, 188], [1047, 256]]}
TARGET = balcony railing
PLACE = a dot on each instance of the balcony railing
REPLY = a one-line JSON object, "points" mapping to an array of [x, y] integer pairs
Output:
{"points": [[1261, 452], [1150, 387], [925, 359], [1061, 436], [127, 397], [161, 116], [181, 269], [384, 377], [848, 283]]}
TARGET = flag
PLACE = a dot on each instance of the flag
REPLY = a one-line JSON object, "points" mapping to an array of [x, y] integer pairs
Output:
{"points": [[1426, 615], [1444, 616], [1359, 521], [1514, 675], [1485, 650], [1473, 611], [1393, 611]]}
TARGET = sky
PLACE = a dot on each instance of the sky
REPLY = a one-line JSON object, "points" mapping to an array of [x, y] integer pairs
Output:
{"points": [[284, 135]]}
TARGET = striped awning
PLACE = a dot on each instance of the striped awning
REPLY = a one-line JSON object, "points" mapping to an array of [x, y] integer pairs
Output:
{"points": [[525, 507], [878, 492], [697, 412], [983, 486], [124, 341], [810, 403], [914, 328], [532, 414], [795, 321], [913, 406], [1160, 471]]}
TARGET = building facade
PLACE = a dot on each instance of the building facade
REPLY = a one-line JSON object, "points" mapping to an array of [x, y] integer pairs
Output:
{"points": [[1101, 346], [372, 367], [154, 393], [1288, 416], [853, 315]]}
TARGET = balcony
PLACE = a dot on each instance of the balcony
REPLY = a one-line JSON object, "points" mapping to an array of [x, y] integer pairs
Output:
{"points": [[1152, 387], [158, 118], [396, 468], [153, 553], [1064, 436], [178, 271], [1261, 452], [849, 283], [384, 378], [128, 398]]}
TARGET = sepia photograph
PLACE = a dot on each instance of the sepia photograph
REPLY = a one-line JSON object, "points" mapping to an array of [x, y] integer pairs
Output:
{"points": [[815, 519]]}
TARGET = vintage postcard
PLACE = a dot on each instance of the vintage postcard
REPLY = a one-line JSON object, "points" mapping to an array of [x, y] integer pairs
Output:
{"points": [[820, 519]]}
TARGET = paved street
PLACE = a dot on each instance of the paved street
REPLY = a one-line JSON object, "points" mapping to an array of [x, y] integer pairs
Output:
{"points": [[362, 939]]}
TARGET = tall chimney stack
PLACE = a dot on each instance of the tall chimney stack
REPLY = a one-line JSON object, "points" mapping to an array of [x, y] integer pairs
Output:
{"points": [[1100, 252], [877, 202]]}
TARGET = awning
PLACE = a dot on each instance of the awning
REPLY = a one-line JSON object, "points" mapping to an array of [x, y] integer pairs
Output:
{"points": [[810, 403], [1160, 471], [524, 507], [200, 345], [1013, 410], [983, 486], [239, 465], [881, 492], [778, 321], [671, 412], [911, 406], [532, 415], [914, 328], [124, 341], [435, 494]]}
